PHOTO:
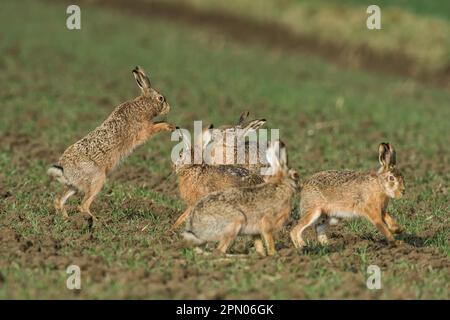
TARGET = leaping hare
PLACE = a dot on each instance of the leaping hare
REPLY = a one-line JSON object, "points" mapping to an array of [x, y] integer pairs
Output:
{"points": [[328, 196], [84, 165], [258, 210]]}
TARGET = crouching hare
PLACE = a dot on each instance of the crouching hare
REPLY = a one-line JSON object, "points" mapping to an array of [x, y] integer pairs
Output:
{"points": [[84, 165], [329, 196], [258, 210]]}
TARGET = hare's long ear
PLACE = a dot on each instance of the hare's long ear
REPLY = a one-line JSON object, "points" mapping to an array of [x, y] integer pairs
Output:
{"points": [[277, 156], [384, 155], [283, 158], [272, 154], [251, 126], [206, 135], [182, 155], [244, 115], [185, 139], [141, 78], [392, 156]]}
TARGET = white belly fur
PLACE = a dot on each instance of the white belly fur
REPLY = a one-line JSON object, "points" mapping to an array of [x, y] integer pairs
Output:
{"points": [[343, 215]]}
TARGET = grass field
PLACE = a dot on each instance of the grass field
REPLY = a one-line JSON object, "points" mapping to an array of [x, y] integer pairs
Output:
{"points": [[417, 31], [57, 85]]}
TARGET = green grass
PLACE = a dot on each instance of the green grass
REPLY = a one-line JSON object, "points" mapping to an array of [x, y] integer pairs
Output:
{"points": [[416, 29], [439, 9], [56, 85]]}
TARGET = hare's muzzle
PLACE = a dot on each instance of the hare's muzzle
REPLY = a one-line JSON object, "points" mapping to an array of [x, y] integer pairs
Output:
{"points": [[400, 193], [165, 109]]}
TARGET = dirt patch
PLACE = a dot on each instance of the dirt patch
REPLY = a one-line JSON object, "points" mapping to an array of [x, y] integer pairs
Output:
{"points": [[140, 228], [25, 148], [274, 35], [142, 176], [168, 273]]}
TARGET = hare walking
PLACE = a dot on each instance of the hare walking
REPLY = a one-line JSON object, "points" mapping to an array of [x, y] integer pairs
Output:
{"points": [[83, 167], [257, 210], [329, 196]]}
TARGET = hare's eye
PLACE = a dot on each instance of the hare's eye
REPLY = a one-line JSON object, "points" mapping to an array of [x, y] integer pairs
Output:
{"points": [[161, 99], [391, 178]]}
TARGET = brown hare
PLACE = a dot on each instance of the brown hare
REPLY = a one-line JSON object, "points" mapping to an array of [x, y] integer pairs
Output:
{"points": [[207, 132], [329, 196], [198, 180], [227, 144], [257, 210], [83, 167]]}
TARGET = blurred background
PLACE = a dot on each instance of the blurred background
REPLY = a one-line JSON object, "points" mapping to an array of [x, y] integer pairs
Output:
{"points": [[334, 88]]}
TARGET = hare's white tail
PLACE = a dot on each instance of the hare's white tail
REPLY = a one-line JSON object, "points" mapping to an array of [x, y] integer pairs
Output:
{"points": [[57, 172], [190, 237]]}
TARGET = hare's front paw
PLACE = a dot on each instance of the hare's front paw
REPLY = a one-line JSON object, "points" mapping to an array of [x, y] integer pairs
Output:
{"points": [[171, 127], [164, 126]]}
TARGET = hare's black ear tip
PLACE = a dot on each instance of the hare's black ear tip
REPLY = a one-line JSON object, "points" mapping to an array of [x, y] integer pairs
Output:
{"points": [[263, 120], [177, 127], [211, 126]]}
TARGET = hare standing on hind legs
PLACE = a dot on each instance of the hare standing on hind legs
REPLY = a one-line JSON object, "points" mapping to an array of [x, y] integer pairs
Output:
{"points": [[329, 196], [83, 167], [257, 210]]}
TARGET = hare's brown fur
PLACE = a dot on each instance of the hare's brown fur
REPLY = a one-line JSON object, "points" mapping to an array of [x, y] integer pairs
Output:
{"points": [[199, 180], [258, 210], [83, 167], [328, 196], [196, 181], [221, 152]]}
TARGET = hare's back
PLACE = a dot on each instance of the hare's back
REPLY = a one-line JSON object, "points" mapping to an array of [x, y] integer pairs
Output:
{"points": [[333, 179], [334, 187], [236, 175], [235, 197]]}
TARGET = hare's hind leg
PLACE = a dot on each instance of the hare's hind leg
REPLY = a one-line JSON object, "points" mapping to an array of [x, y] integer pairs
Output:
{"points": [[391, 223], [90, 194], [230, 234], [266, 232], [321, 228], [61, 201], [307, 220], [259, 245]]}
